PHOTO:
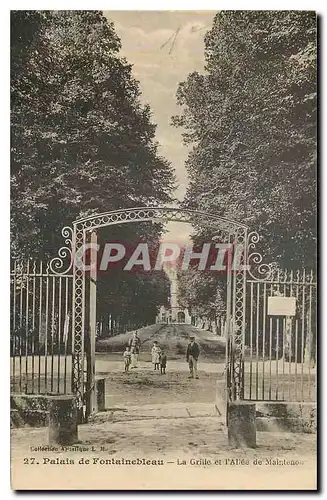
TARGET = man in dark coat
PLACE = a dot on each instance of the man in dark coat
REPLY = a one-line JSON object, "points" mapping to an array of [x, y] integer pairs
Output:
{"points": [[163, 362], [192, 356]]}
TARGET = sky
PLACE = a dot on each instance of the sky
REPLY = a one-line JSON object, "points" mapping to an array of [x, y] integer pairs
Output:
{"points": [[162, 59]]}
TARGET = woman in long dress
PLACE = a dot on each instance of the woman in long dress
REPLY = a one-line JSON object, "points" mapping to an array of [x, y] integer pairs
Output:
{"points": [[134, 344], [155, 353]]}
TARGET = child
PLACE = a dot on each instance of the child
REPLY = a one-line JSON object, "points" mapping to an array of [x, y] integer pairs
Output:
{"points": [[127, 358], [163, 362], [155, 352]]}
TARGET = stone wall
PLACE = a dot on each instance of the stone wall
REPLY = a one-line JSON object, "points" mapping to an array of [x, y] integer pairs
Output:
{"points": [[287, 417], [31, 410]]}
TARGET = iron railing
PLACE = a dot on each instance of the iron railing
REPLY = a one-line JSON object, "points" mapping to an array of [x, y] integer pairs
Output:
{"points": [[280, 351], [41, 333]]}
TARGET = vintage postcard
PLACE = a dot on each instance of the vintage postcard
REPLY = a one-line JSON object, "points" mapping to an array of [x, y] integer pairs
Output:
{"points": [[163, 250]]}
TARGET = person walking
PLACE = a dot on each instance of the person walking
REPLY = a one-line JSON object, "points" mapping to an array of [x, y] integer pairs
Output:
{"points": [[134, 344], [192, 356]]}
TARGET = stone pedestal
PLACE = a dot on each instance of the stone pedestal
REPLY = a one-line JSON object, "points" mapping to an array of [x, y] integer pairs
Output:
{"points": [[63, 418], [100, 394], [242, 424]]}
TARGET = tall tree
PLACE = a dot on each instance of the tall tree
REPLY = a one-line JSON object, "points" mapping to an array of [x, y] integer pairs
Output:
{"points": [[251, 118], [81, 140]]}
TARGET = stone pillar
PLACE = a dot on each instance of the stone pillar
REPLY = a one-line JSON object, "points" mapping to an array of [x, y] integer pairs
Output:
{"points": [[100, 394], [242, 424], [63, 420]]}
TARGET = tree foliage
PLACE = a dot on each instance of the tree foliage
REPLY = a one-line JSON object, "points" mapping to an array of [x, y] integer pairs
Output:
{"points": [[81, 140], [251, 119]]}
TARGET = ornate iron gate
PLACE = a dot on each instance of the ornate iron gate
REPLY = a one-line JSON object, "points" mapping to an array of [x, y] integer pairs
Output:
{"points": [[226, 231], [280, 346], [41, 335], [53, 316], [75, 315], [60, 301]]}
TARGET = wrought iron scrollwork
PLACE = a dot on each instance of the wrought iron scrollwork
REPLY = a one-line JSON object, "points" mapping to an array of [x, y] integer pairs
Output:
{"points": [[57, 264], [164, 214], [257, 269]]}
